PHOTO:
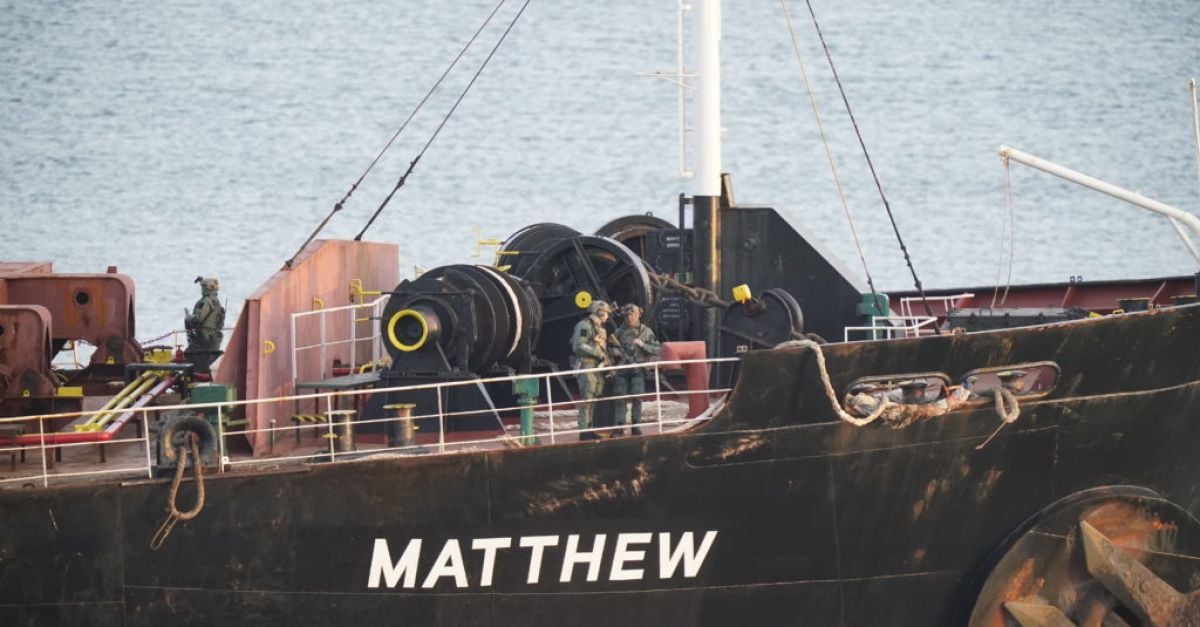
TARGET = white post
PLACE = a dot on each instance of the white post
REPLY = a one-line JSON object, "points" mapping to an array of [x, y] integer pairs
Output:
{"points": [[550, 405], [441, 422], [322, 344], [1195, 126], [379, 350], [42, 435], [146, 442], [706, 48], [221, 438], [353, 337], [377, 343], [681, 89], [1134, 198], [658, 394], [295, 355]]}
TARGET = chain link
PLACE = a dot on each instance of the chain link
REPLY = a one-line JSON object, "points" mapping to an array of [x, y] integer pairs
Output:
{"points": [[697, 295]]}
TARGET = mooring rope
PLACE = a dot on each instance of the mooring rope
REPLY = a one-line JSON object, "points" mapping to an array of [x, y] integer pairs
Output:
{"points": [[1006, 219], [830, 394], [1006, 407], [871, 165], [413, 164], [837, 180], [174, 515], [339, 204], [1005, 402]]}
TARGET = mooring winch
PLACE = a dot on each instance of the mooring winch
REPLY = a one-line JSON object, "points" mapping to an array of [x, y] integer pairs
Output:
{"points": [[574, 271], [461, 318]]}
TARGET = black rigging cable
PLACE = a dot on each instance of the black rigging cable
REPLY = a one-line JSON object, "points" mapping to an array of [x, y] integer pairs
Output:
{"points": [[413, 164], [874, 175], [339, 204], [837, 180]]}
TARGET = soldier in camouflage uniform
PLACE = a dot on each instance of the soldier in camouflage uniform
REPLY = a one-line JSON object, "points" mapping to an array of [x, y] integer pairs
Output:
{"points": [[638, 345], [204, 325], [589, 349]]}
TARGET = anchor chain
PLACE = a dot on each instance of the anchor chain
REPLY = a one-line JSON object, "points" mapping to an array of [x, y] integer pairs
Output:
{"points": [[174, 515], [709, 299], [697, 295]]}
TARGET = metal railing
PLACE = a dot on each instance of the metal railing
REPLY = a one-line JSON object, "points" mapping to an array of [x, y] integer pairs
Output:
{"points": [[907, 324], [178, 337], [351, 316], [668, 411], [906, 303], [893, 327]]}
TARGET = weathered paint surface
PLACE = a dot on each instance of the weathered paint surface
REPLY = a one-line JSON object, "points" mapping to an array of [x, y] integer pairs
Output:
{"points": [[817, 521], [97, 308], [25, 353], [319, 277]]}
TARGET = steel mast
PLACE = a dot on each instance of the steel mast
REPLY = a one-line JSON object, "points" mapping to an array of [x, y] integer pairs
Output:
{"points": [[706, 189]]}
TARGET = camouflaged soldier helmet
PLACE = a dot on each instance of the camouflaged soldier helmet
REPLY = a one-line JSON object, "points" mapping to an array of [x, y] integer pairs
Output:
{"points": [[629, 308], [208, 283], [599, 306]]}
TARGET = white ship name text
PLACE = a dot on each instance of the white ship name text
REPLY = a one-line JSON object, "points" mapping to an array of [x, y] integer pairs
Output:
{"points": [[626, 559]]}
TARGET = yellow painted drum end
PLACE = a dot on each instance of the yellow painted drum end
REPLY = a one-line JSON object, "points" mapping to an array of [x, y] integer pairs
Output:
{"points": [[400, 316]]}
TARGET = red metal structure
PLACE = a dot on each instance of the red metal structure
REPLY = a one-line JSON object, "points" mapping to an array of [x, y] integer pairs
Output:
{"points": [[1101, 297], [25, 353], [258, 356], [96, 308]]}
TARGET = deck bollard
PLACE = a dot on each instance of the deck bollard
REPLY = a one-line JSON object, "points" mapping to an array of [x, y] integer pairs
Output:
{"points": [[343, 419], [403, 431]]}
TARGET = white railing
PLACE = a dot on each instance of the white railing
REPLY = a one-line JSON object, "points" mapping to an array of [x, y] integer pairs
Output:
{"points": [[892, 327], [42, 443], [906, 303], [351, 316], [907, 324]]}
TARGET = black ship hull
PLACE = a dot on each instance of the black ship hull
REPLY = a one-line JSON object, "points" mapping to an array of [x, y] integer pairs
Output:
{"points": [[773, 512]]}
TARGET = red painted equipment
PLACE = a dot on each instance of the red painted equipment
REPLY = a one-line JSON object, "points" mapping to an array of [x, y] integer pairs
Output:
{"points": [[697, 373], [96, 308], [258, 356], [113, 423], [25, 352]]}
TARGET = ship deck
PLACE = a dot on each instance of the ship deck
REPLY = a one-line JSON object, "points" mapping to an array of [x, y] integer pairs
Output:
{"points": [[132, 452]]}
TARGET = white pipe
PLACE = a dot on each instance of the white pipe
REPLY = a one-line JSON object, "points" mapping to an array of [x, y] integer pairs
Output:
{"points": [[1183, 235], [680, 87], [707, 50], [1175, 213], [1195, 126]]}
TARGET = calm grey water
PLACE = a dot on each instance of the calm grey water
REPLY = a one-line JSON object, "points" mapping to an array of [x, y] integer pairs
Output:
{"points": [[175, 138]]}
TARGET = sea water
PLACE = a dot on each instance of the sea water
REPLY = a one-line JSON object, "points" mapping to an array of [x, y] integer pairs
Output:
{"points": [[178, 138]]}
